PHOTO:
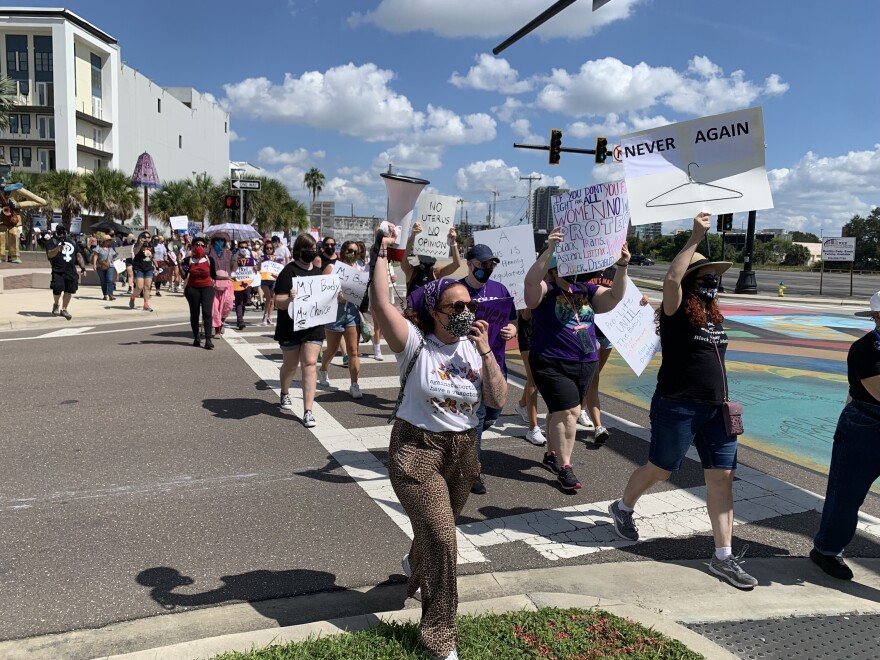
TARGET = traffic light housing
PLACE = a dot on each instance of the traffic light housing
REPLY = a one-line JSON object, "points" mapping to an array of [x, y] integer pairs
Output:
{"points": [[555, 146], [232, 202], [601, 150], [725, 222]]}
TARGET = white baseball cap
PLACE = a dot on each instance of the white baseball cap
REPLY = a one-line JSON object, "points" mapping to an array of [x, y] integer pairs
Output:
{"points": [[874, 304]]}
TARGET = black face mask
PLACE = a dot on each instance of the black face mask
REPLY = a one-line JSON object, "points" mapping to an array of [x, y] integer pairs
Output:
{"points": [[707, 289], [482, 275], [330, 250], [308, 255]]}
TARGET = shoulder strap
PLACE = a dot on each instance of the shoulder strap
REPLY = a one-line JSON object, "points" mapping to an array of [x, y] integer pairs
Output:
{"points": [[723, 369], [403, 378]]}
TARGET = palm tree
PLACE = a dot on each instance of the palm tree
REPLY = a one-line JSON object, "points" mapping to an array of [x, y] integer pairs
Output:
{"points": [[204, 192], [8, 98], [109, 192], [273, 209], [314, 181], [64, 189], [174, 198]]}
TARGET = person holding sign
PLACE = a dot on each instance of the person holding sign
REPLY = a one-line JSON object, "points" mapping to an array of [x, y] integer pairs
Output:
{"points": [[200, 272], [143, 264], [689, 406], [563, 354], [270, 265], [426, 270], [244, 272], [299, 347], [447, 369]]}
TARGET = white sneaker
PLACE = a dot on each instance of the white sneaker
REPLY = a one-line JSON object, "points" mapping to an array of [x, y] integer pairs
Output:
{"points": [[404, 564], [585, 421], [536, 437], [308, 419], [377, 352], [286, 403], [355, 391], [323, 378], [453, 655], [523, 412]]}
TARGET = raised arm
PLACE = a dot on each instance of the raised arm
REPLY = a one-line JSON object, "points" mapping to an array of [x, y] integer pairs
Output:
{"points": [[672, 282], [606, 298], [449, 269], [535, 287], [394, 327], [405, 265]]}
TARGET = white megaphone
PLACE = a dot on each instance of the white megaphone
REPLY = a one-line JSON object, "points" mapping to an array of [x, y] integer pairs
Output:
{"points": [[403, 191]]}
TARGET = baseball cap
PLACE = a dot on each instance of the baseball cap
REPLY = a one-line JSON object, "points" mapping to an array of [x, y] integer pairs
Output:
{"points": [[874, 306], [481, 252]]}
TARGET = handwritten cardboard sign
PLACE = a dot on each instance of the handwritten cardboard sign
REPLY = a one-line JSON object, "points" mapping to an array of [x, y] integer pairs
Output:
{"points": [[315, 301], [353, 282], [515, 247], [179, 223], [630, 328], [436, 213], [124, 251], [594, 221], [272, 268]]}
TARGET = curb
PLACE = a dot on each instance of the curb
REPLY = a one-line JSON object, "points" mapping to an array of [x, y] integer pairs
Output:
{"points": [[656, 285]]}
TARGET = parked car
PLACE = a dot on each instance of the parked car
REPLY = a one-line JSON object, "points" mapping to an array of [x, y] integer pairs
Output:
{"points": [[641, 260]]}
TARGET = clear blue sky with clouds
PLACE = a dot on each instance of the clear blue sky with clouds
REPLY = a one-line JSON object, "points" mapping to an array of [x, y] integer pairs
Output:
{"points": [[350, 86]]}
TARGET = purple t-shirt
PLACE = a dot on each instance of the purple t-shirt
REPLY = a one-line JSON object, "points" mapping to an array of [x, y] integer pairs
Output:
{"points": [[564, 325], [498, 308]]}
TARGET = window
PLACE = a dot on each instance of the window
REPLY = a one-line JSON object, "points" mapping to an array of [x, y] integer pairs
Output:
{"points": [[2, 152], [13, 124], [159, 102], [46, 127], [180, 142], [26, 157], [96, 76], [24, 87], [25, 124], [225, 126], [15, 156], [98, 138], [16, 55], [45, 94], [42, 62], [97, 163]]}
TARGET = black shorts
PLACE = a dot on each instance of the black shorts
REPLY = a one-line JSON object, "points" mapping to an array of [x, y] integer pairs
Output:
{"points": [[64, 283], [524, 331], [562, 384]]}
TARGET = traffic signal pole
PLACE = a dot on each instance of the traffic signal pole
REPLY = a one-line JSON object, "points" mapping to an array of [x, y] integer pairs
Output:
{"points": [[746, 283]]}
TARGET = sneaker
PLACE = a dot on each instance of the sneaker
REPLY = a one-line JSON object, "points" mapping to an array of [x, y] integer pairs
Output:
{"points": [[158, 294], [623, 522], [55, 309], [197, 342], [377, 353], [241, 326], [832, 564], [355, 391], [286, 403], [323, 378], [453, 654], [309, 419], [16, 261], [147, 308], [567, 479], [65, 314], [209, 345], [479, 486], [551, 461], [344, 360], [585, 421], [601, 435], [523, 412], [731, 570], [536, 437], [404, 563], [131, 303]]}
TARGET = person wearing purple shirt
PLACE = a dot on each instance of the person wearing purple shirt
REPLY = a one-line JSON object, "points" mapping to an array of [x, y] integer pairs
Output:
{"points": [[563, 354]]}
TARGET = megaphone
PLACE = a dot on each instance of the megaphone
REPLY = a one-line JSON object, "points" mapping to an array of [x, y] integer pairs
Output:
{"points": [[403, 191]]}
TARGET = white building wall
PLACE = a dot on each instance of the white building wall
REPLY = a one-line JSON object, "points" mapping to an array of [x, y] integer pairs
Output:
{"points": [[181, 140]]}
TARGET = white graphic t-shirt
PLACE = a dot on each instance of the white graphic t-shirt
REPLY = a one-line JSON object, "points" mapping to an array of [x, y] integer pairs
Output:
{"points": [[443, 389]]}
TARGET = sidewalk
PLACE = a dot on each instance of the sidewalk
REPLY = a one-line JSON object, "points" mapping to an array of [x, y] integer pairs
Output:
{"points": [[667, 596]]}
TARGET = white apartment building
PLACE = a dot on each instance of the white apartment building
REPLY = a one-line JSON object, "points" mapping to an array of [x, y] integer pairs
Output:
{"points": [[80, 108]]}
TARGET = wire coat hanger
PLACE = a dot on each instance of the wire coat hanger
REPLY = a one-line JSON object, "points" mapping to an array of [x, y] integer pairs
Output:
{"points": [[690, 182]]}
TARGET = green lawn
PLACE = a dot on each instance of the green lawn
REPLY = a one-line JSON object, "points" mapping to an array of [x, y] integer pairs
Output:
{"points": [[555, 634]]}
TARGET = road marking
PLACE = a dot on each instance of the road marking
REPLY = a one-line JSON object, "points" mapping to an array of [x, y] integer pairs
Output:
{"points": [[66, 332], [53, 335]]}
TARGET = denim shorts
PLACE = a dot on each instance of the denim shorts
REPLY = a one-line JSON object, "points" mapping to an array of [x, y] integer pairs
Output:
{"points": [[145, 274], [347, 316], [296, 345], [675, 425], [604, 342]]}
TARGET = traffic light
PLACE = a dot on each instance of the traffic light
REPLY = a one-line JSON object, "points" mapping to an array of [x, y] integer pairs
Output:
{"points": [[232, 202], [555, 146], [601, 150], [719, 223], [728, 222]]}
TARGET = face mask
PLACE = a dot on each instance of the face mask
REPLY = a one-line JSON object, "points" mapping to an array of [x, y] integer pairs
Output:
{"points": [[708, 289], [329, 251], [199, 252], [427, 262], [482, 275], [219, 245], [244, 253], [308, 255], [459, 324]]}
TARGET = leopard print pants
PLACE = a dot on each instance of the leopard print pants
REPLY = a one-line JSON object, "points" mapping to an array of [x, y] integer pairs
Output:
{"points": [[432, 474]]}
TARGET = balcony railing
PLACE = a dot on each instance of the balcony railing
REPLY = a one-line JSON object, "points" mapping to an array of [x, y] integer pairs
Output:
{"points": [[90, 142]]}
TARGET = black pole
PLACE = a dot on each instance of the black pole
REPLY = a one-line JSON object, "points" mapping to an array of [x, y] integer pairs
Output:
{"points": [[746, 283], [536, 22], [723, 258]]}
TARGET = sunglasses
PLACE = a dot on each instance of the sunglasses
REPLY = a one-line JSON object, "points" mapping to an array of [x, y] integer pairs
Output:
{"points": [[460, 305], [351, 252], [330, 245]]}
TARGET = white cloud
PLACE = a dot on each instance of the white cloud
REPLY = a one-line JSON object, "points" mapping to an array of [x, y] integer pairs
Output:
{"points": [[235, 137], [270, 156], [492, 74], [606, 86], [614, 126], [489, 18], [444, 127], [412, 158], [509, 109], [522, 128]]}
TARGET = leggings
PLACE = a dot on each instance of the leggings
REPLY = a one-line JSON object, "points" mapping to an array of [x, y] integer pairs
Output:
{"points": [[432, 474], [200, 299]]}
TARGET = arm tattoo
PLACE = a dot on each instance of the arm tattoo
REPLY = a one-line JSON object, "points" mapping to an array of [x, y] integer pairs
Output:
{"points": [[494, 386]]}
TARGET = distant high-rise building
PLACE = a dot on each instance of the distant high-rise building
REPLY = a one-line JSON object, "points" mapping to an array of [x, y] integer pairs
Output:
{"points": [[650, 231], [542, 211], [321, 215]]}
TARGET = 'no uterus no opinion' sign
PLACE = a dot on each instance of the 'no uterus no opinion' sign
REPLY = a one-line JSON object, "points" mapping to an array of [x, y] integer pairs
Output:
{"points": [[436, 213]]}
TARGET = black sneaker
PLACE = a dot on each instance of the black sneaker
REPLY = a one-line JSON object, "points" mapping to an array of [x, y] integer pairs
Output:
{"points": [[65, 314], [551, 462], [55, 309], [831, 564], [209, 345], [197, 342], [567, 479], [478, 487]]}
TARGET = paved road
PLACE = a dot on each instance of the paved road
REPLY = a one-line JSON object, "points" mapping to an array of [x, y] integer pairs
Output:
{"points": [[797, 284], [141, 476]]}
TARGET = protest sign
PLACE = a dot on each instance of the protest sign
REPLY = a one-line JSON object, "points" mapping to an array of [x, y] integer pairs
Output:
{"points": [[76, 226], [594, 221], [436, 213], [714, 164], [54, 226], [179, 223], [119, 266], [124, 251], [272, 268], [315, 301], [353, 282], [246, 275], [630, 329], [39, 222], [194, 228], [279, 234], [515, 248], [495, 312]]}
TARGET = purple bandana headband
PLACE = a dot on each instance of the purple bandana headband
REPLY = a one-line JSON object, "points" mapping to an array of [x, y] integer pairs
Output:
{"points": [[424, 299]]}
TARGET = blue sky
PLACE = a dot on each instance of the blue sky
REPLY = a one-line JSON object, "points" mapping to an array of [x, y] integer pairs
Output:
{"points": [[350, 86]]}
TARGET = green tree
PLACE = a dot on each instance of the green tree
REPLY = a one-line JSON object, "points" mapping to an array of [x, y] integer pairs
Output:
{"points": [[173, 198], [797, 255], [65, 192], [867, 234], [204, 192], [804, 237], [314, 181], [273, 209], [8, 99], [109, 192]]}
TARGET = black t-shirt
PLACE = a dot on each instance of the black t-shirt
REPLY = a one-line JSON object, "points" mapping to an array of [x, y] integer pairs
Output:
{"points": [[283, 286], [421, 275], [326, 261], [863, 361], [690, 369], [602, 278], [143, 258], [64, 261]]}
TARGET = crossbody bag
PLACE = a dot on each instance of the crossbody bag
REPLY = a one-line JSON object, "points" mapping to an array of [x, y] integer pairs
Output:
{"points": [[731, 411], [403, 378]]}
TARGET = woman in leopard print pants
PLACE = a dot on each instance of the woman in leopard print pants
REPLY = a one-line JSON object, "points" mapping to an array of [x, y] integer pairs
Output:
{"points": [[447, 369]]}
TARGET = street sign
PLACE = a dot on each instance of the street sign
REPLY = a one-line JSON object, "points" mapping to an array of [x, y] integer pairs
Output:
{"points": [[246, 184], [838, 249], [617, 153]]}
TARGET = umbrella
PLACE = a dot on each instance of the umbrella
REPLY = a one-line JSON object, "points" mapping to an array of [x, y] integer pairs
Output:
{"points": [[236, 231], [111, 225], [145, 175]]}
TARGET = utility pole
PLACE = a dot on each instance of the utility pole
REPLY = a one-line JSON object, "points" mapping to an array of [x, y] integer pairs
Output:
{"points": [[529, 199], [746, 283]]}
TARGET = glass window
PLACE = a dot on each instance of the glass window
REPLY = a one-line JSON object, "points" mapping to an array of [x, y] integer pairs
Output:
{"points": [[22, 60], [24, 87], [26, 157], [13, 124], [96, 76], [159, 102], [14, 156], [42, 61], [11, 62], [180, 142], [26, 124], [2, 152]]}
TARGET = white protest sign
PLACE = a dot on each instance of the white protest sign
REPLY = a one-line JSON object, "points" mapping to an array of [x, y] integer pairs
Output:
{"points": [[838, 249], [594, 221], [714, 164], [272, 268], [279, 234], [247, 275], [124, 251], [436, 213], [315, 302], [630, 328], [353, 282], [119, 266], [515, 247], [76, 226], [179, 223], [316, 236]]}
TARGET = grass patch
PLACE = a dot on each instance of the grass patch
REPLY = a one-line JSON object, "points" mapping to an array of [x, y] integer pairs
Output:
{"points": [[555, 634]]}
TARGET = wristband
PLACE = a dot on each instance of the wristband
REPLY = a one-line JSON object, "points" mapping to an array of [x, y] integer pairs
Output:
{"points": [[486, 353], [622, 265]]}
